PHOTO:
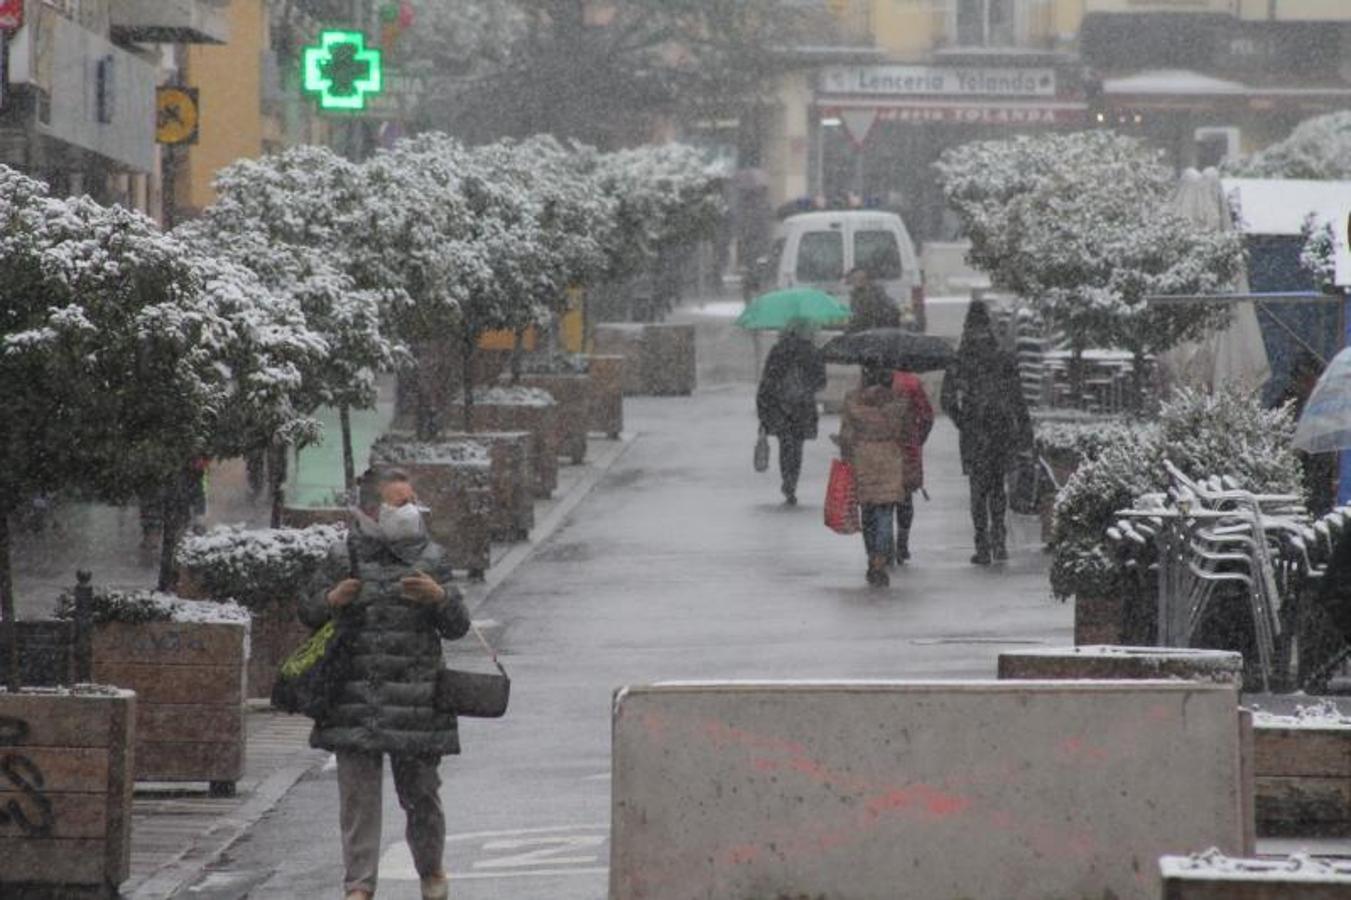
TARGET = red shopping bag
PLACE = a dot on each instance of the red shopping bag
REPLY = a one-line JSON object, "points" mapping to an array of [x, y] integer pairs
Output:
{"points": [[842, 514]]}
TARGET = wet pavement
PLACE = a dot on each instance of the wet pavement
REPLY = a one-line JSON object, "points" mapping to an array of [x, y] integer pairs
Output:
{"points": [[681, 563]]}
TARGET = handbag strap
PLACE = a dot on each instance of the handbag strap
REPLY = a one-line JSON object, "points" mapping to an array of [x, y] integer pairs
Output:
{"points": [[489, 648]]}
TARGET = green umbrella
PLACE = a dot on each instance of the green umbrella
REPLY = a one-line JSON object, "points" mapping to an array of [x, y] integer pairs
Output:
{"points": [[776, 310]]}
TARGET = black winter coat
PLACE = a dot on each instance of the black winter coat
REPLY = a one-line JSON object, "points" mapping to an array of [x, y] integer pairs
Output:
{"points": [[984, 397], [786, 399], [389, 703]]}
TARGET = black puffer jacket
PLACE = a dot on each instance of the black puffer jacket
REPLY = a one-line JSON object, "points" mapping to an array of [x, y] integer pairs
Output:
{"points": [[786, 398], [389, 703]]}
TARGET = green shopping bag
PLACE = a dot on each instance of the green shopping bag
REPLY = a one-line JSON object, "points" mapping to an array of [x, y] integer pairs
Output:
{"points": [[311, 676]]}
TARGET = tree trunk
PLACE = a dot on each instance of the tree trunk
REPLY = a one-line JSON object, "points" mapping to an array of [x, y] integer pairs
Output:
{"points": [[10, 623], [517, 348], [276, 472], [1137, 398], [468, 363], [173, 518], [1076, 376], [349, 468]]}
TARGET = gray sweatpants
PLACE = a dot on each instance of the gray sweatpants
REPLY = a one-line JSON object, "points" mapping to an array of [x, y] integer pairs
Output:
{"points": [[360, 787]]}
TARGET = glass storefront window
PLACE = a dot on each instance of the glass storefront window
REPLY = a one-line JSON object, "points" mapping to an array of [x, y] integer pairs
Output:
{"points": [[820, 257], [986, 23]]}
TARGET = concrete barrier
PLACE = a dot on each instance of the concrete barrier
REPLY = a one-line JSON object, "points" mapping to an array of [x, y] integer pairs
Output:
{"points": [[873, 791]]}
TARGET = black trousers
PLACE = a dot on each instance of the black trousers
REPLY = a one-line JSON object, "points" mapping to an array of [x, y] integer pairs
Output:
{"points": [[905, 518], [988, 506], [790, 462]]}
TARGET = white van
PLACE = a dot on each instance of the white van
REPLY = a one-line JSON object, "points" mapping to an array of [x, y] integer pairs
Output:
{"points": [[819, 249]]}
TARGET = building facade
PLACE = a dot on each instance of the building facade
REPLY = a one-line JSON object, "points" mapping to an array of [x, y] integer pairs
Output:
{"points": [[1205, 80], [78, 90]]}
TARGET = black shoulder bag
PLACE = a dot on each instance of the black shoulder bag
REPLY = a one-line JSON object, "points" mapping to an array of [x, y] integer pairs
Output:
{"points": [[475, 694]]}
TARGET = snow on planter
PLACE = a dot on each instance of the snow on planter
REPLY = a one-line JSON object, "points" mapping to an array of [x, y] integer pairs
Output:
{"points": [[517, 408], [453, 478], [1213, 875], [186, 661], [1302, 764], [513, 478], [265, 570], [572, 392], [71, 750]]}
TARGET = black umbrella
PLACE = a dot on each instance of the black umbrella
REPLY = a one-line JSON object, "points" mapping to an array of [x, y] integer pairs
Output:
{"points": [[894, 348]]}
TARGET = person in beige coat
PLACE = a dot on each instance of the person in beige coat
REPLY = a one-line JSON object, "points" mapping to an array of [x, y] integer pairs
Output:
{"points": [[873, 435]]}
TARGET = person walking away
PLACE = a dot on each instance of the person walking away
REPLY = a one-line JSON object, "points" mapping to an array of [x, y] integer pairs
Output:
{"points": [[786, 400], [872, 439], [909, 388], [984, 397], [389, 586], [869, 305]]}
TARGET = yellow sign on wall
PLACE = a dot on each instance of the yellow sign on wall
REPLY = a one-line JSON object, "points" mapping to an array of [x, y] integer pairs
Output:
{"points": [[177, 116]]}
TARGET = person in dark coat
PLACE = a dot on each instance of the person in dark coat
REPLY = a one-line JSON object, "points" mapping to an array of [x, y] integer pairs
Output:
{"points": [[786, 400], [984, 397], [907, 386], [390, 587], [869, 305]]}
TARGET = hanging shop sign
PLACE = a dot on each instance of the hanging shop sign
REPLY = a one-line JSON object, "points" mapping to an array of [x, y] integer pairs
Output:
{"points": [[939, 81], [176, 115], [342, 72]]}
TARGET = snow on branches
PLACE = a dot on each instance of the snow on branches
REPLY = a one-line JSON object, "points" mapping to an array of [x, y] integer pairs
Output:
{"points": [[1079, 225], [1319, 149]]}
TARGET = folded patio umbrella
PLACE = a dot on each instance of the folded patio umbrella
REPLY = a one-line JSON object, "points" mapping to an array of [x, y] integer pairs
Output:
{"points": [[777, 310], [1325, 424], [894, 348]]}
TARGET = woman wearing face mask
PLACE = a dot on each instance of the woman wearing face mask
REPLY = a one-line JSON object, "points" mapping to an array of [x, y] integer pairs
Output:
{"points": [[388, 585]]}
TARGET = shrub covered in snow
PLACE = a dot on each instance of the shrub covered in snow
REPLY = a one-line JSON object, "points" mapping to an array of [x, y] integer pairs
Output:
{"points": [[394, 451], [1079, 224], [1318, 149], [1083, 441], [137, 606], [257, 567], [1226, 434]]}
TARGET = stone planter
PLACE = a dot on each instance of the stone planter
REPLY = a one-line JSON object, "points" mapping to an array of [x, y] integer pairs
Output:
{"points": [[513, 481], [189, 681], [66, 788], [1303, 770], [659, 359], [276, 632], [305, 516], [1211, 876], [1122, 663], [572, 393], [607, 395], [454, 480], [1098, 619], [538, 415]]}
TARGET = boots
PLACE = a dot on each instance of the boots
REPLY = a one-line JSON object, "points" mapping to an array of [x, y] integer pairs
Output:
{"points": [[982, 554], [435, 887], [902, 546], [877, 571]]}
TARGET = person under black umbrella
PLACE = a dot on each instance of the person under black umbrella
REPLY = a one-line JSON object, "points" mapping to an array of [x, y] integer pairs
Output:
{"points": [[984, 397], [786, 400], [869, 304]]}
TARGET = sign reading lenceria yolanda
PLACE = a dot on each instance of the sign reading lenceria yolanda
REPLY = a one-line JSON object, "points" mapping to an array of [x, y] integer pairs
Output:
{"points": [[939, 81], [342, 71]]}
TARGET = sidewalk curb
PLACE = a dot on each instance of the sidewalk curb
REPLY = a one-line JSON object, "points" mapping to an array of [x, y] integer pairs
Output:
{"points": [[182, 872], [185, 870]]}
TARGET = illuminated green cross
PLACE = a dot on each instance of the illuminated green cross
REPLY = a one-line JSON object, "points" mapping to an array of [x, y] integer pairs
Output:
{"points": [[343, 71]]}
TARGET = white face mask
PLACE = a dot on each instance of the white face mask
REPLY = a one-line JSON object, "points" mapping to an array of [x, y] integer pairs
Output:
{"points": [[396, 523]]}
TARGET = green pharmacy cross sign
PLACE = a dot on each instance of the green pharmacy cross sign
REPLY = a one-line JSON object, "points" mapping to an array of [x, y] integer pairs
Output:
{"points": [[342, 71]]}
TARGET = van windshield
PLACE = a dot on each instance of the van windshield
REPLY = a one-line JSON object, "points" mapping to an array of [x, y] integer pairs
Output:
{"points": [[820, 256], [878, 253]]}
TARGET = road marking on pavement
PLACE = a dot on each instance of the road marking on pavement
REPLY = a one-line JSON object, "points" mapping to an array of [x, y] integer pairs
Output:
{"points": [[571, 850], [603, 776]]}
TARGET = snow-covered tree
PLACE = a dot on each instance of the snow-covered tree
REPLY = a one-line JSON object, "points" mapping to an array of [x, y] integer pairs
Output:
{"points": [[298, 220], [1318, 257], [1079, 225], [110, 367], [1318, 149]]}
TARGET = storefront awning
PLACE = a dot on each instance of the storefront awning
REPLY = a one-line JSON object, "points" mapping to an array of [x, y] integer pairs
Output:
{"points": [[1185, 89]]}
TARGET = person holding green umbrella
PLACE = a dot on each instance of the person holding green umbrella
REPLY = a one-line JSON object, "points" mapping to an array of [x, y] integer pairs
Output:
{"points": [[786, 399], [778, 310]]}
